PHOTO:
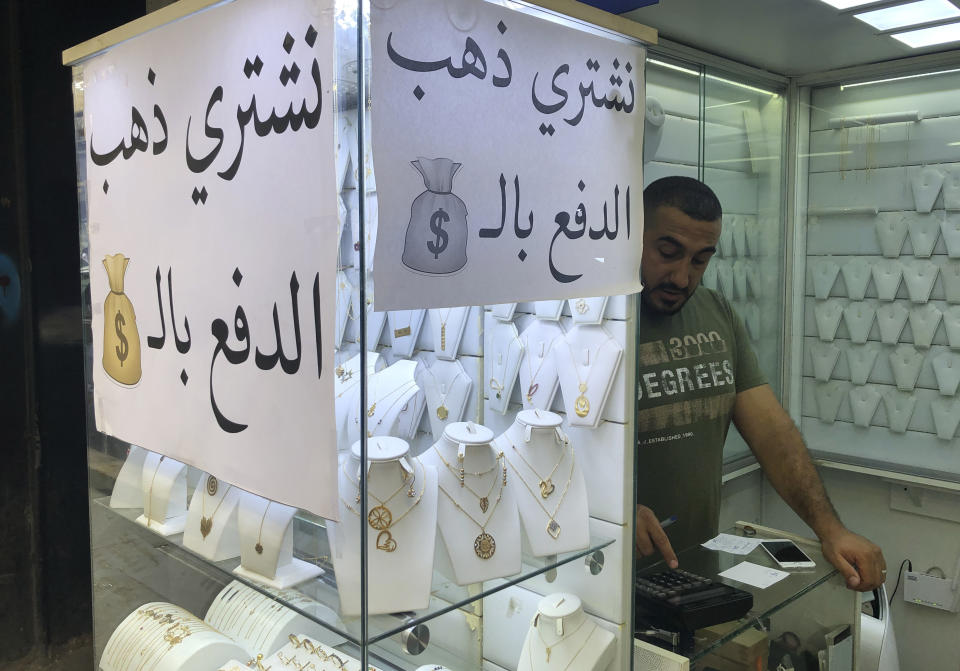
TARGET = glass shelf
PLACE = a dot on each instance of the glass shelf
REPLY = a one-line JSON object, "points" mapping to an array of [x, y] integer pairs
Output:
{"points": [[310, 546], [766, 602]]}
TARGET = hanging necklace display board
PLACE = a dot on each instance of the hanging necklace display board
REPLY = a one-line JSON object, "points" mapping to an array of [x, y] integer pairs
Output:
{"points": [[163, 637], [212, 530], [446, 387], [946, 368], [376, 320], [886, 278], [554, 513], [503, 311], [899, 406], [825, 357], [924, 230], [829, 397], [859, 319], [164, 483], [266, 544], [828, 315], [919, 277], [926, 185], [864, 402], [946, 417], [389, 394], [950, 272], [951, 323], [906, 363], [346, 387], [856, 277], [860, 360], [588, 310], [477, 512], [404, 327], [924, 321], [401, 529], [892, 232], [562, 637], [586, 359], [539, 379], [825, 273], [446, 327], [502, 353], [551, 310], [128, 487], [344, 293], [950, 228], [891, 319]]}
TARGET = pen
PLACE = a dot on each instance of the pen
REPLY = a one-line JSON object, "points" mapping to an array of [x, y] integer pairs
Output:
{"points": [[667, 522]]}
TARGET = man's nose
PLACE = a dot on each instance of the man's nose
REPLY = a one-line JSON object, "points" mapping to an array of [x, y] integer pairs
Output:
{"points": [[680, 274]]}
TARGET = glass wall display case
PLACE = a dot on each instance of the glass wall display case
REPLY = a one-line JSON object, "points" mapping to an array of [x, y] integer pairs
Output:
{"points": [[479, 485]]}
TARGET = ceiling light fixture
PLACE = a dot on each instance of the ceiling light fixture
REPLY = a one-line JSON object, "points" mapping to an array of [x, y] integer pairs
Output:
{"points": [[847, 4], [910, 14], [897, 79], [926, 37]]}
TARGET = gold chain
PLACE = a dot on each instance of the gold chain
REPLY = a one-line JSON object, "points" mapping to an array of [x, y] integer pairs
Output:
{"points": [[546, 484], [383, 524], [459, 474], [553, 527]]}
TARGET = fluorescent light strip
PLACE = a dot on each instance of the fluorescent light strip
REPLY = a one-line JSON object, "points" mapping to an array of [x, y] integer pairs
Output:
{"points": [[897, 79], [847, 4], [671, 66], [911, 14], [927, 37]]}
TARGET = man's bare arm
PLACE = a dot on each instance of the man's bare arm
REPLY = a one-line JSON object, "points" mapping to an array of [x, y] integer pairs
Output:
{"points": [[778, 446]]}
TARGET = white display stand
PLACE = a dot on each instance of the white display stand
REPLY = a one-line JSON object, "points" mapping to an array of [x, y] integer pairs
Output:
{"points": [[550, 310], [924, 321], [891, 230], [899, 406], [825, 273], [863, 404], [446, 387], [924, 230], [950, 229], [404, 327], [261, 623], [588, 310], [400, 557], [163, 637], [926, 187], [344, 293], [920, 277], [306, 653], [906, 363], [950, 272], [478, 520], [128, 487], [860, 360], [829, 396], [856, 277], [376, 320], [951, 324], [741, 272], [538, 375], [212, 531], [825, 357], [946, 368], [446, 328], [563, 637], [548, 482], [266, 544], [891, 319], [886, 278], [503, 311], [725, 277], [587, 359], [502, 353], [346, 390], [388, 393], [946, 417], [951, 191], [859, 317], [164, 486], [828, 315]]}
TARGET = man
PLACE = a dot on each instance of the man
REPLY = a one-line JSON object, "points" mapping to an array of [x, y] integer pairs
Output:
{"points": [[697, 371]]}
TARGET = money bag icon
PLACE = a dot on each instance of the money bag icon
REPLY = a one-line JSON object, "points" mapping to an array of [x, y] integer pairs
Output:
{"points": [[121, 340], [436, 240]]}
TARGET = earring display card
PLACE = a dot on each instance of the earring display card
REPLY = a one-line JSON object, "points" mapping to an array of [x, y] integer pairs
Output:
{"points": [[863, 403], [891, 319], [946, 368], [926, 187], [920, 276], [886, 278], [891, 228], [906, 363], [924, 230], [856, 277], [829, 398], [825, 273], [828, 315], [946, 417], [899, 406], [950, 272], [951, 323], [924, 321], [950, 228], [860, 360], [859, 319], [825, 357]]}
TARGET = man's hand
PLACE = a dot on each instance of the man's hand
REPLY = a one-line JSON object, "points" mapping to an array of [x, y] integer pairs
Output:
{"points": [[649, 535], [858, 560]]}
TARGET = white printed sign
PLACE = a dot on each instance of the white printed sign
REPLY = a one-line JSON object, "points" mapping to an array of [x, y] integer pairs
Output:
{"points": [[507, 150], [212, 200]]}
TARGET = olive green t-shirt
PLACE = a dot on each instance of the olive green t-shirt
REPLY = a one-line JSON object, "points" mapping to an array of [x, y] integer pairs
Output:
{"points": [[691, 365]]}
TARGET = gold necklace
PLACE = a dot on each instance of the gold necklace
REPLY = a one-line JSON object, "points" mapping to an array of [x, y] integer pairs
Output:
{"points": [[546, 484], [577, 654], [443, 331], [459, 474], [406, 330], [403, 388], [385, 539], [259, 546], [206, 523], [553, 527], [442, 411], [534, 385], [150, 494], [379, 517], [484, 545], [495, 384], [582, 404]]}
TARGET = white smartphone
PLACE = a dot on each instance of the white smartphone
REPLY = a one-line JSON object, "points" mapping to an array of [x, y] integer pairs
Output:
{"points": [[787, 554]]}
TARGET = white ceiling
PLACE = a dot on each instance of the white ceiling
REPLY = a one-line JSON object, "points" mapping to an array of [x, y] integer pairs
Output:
{"points": [[789, 37]]}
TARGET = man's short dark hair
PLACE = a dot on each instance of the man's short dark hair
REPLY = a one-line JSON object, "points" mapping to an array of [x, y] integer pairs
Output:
{"points": [[691, 196]]}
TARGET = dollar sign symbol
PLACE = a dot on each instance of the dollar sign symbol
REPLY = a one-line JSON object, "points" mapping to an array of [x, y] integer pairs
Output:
{"points": [[123, 349], [436, 226]]}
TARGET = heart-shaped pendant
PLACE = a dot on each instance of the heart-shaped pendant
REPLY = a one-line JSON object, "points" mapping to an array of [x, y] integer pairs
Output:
{"points": [[531, 390], [546, 488], [385, 541], [206, 524]]}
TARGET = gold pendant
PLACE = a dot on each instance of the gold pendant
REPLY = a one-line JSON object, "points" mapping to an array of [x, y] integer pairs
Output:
{"points": [[379, 518], [259, 548], [385, 541], [484, 504], [206, 524], [442, 412], [531, 390], [371, 409], [548, 652], [546, 488], [339, 371], [443, 338], [582, 404], [400, 333], [484, 546], [553, 528], [212, 485], [581, 306]]}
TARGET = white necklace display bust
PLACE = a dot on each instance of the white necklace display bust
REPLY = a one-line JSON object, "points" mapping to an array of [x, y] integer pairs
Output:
{"points": [[856, 277], [891, 231], [899, 406], [587, 360], [860, 360], [563, 638], [859, 318], [446, 386], [863, 403], [891, 318], [906, 363], [825, 273], [502, 351], [825, 356], [886, 278], [538, 374], [920, 277], [924, 231], [828, 315]]}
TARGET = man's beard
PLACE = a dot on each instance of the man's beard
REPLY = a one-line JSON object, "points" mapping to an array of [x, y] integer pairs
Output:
{"points": [[648, 302]]}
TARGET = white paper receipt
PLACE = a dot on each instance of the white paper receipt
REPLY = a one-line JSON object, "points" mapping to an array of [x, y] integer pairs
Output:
{"points": [[736, 545], [754, 574]]}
